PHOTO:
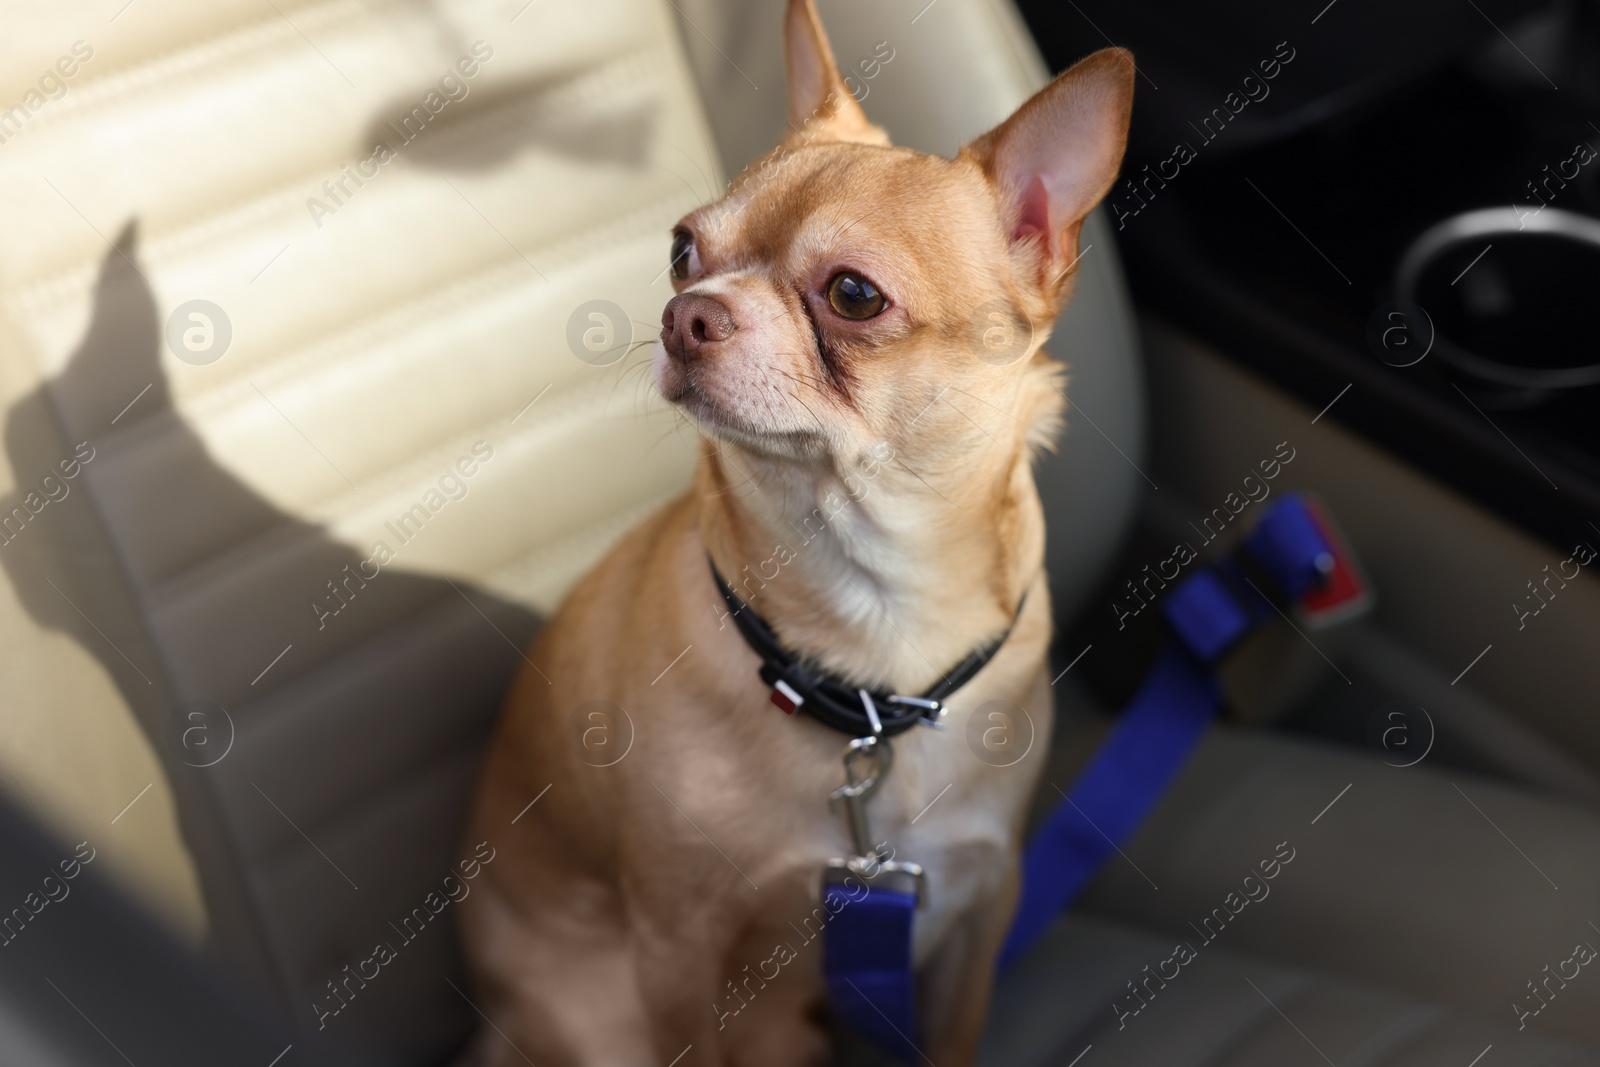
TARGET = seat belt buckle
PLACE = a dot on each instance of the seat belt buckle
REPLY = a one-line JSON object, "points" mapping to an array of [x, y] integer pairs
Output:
{"points": [[1345, 592]]}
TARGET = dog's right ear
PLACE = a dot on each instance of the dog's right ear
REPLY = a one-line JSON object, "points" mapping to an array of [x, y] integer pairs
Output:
{"points": [[1055, 158], [820, 107]]}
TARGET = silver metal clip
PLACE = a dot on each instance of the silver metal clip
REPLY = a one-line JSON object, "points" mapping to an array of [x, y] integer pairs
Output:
{"points": [[860, 784], [870, 862]]}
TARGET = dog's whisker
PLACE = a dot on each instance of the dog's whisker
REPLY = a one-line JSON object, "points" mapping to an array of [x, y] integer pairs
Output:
{"points": [[801, 401], [711, 189], [692, 190], [640, 398]]}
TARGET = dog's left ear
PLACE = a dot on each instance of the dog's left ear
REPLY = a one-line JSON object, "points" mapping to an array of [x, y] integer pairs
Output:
{"points": [[820, 106], [1055, 158]]}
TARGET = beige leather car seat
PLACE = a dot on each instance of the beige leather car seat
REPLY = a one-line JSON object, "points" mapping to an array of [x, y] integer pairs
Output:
{"points": [[398, 374], [412, 360]]}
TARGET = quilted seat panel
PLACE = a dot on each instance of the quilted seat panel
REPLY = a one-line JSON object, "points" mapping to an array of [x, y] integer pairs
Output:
{"points": [[398, 374]]}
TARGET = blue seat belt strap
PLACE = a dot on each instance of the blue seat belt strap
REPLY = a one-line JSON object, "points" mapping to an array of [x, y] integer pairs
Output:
{"points": [[867, 952], [1207, 615], [1110, 799], [866, 960]]}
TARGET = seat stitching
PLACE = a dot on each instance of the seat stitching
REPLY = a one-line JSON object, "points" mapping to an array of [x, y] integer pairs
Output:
{"points": [[398, 317], [139, 76], [53, 291], [167, 592]]}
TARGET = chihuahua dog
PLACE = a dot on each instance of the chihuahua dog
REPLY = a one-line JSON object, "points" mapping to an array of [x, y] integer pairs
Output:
{"points": [[866, 486]]}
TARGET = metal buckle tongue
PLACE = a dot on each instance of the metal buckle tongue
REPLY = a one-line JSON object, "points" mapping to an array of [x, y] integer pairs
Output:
{"points": [[870, 863], [933, 711]]}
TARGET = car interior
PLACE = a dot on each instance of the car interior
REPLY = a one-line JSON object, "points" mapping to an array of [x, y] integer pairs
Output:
{"points": [[263, 346]]}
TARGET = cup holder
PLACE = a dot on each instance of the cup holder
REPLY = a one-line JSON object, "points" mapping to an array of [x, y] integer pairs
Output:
{"points": [[1522, 314]]}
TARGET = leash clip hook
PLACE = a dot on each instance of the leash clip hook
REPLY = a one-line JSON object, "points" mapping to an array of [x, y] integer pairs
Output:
{"points": [[859, 787], [870, 861]]}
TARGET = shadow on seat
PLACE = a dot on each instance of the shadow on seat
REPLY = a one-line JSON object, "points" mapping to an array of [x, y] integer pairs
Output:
{"points": [[346, 762]]}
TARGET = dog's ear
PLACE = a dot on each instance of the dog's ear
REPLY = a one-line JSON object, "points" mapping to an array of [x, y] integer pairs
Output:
{"points": [[820, 106], [1057, 155]]}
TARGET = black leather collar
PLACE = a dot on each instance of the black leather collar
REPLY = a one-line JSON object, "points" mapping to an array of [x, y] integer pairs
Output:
{"points": [[801, 686]]}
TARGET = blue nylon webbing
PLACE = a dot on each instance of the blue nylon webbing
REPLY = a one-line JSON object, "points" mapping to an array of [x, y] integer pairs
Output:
{"points": [[1116, 790], [867, 952], [866, 960]]}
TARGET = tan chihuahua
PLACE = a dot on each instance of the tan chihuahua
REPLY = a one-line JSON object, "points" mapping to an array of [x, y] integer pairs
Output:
{"points": [[856, 334]]}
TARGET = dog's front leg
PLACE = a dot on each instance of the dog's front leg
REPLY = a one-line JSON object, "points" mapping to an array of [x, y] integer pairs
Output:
{"points": [[957, 981], [679, 960]]}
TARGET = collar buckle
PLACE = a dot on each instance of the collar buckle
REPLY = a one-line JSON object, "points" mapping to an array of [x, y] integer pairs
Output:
{"points": [[933, 711]]}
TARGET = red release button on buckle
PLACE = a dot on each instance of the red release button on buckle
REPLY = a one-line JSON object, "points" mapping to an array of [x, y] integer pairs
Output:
{"points": [[1346, 592]]}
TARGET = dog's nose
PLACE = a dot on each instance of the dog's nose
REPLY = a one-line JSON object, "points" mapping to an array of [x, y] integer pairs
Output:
{"points": [[691, 322]]}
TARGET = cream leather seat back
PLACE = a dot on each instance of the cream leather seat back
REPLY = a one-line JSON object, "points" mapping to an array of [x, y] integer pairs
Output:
{"points": [[340, 296], [338, 499]]}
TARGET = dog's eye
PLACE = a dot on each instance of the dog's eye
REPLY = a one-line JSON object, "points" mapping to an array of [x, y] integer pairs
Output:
{"points": [[685, 261], [853, 297]]}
